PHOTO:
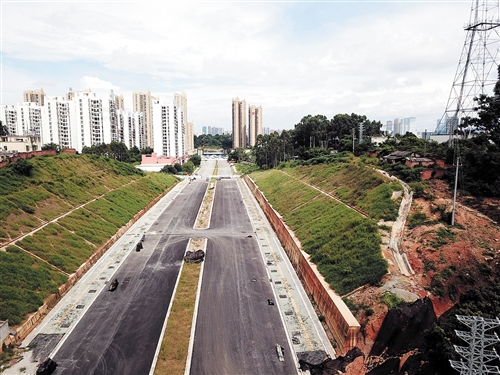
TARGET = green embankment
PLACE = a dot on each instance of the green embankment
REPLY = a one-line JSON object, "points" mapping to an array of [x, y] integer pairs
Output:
{"points": [[111, 192], [342, 243], [355, 184]]}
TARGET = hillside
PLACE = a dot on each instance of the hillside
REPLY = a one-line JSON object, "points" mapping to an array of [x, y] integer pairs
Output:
{"points": [[55, 212], [448, 261], [344, 241]]}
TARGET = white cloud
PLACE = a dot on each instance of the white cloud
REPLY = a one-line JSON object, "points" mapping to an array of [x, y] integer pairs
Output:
{"points": [[395, 61], [96, 84]]}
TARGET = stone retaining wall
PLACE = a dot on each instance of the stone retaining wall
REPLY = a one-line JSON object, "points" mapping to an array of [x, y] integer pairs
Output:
{"points": [[24, 329], [343, 325]]}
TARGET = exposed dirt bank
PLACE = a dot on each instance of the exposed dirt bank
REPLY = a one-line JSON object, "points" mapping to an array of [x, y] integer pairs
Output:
{"points": [[447, 261]]}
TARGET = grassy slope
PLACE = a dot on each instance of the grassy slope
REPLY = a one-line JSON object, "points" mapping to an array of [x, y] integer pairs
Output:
{"points": [[355, 184], [57, 185], [344, 244]]}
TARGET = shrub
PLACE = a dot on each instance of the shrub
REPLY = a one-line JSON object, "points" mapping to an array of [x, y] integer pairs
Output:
{"points": [[443, 236], [419, 188], [437, 287], [416, 219], [391, 300], [195, 159], [188, 167], [23, 167], [169, 169]]}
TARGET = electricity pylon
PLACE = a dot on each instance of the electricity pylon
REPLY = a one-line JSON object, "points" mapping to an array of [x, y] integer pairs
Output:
{"points": [[475, 355], [477, 68]]}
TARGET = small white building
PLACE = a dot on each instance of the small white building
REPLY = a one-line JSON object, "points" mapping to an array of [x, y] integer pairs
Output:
{"points": [[19, 143]]}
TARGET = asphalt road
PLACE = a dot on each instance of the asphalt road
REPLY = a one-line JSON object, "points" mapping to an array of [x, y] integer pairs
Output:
{"points": [[236, 329], [120, 331]]}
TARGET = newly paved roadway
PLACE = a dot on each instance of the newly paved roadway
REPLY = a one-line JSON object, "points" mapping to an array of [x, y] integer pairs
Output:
{"points": [[120, 331], [236, 330]]}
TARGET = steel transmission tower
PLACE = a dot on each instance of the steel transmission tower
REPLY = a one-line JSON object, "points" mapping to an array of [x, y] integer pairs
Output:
{"points": [[475, 355], [477, 68]]}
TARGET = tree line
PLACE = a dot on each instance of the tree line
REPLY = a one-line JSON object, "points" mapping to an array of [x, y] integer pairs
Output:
{"points": [[224, 141], [313, 138]]}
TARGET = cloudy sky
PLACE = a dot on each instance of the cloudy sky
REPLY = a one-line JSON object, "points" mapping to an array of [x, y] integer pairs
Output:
{"points": [[382, 59]]}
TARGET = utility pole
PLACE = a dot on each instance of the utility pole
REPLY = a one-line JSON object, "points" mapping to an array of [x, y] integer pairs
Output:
{"points": [[425, 142], [455, 194], [353, 140]]}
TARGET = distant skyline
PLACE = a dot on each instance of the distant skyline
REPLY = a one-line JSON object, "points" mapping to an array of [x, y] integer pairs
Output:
{"points": [[382, 59]]}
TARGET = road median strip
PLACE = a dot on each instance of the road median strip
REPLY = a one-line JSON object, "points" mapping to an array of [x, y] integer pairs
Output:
{"points": [[175, 344], [174, 350]]}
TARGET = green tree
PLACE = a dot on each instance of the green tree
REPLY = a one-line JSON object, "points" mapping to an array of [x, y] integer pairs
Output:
{"points": [[223, 141], [118, 151], [134, 155], [238, 154], [488, 108], [169, 169], [310, 132], [3, 129], [188, 167], [195, 159], [178, 167], [147, 151], [22, 167], [51, 146]]}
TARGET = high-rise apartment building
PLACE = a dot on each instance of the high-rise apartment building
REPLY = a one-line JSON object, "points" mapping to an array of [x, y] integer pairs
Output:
{"points": [[143, 102], [84, 118], [399, 126], [71, 94], [34, 96], [22, 119], [120, 102], [58, 124], [180, 101], [239, 123], [254, 123], [179, 131], [190, 137]]}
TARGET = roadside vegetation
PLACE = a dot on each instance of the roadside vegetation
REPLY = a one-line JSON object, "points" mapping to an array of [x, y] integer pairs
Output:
{"points": [[342, 243], [24, 284], [175, 344], [352, 182], [110, 193], [209, 141]]}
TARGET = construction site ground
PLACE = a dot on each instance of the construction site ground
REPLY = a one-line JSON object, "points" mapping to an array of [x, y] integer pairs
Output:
{"points": [[457, 256]]}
